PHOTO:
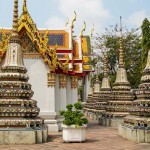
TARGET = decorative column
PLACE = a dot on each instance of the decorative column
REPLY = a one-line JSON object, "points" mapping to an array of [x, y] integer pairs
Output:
{"points": [[68, 90], [52, 120], [51, 80], [74, 89], [62, 91], [86, 87]]}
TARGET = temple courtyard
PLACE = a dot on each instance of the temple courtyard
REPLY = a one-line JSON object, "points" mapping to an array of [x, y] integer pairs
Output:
{"points": [[97, 138]]}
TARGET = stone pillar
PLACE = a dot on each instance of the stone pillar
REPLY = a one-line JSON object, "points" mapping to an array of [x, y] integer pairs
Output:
{"points": [[51, 80], [86, 87], [68, 91], [53, 120], [74, 89], [62, 91]]}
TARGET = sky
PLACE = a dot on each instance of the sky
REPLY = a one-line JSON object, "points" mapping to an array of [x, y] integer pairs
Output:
{"points": [[53, 14]]}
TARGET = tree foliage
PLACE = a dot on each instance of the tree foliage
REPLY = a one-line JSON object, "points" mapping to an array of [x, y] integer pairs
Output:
{"points": [[145, 41], [109, 41]]}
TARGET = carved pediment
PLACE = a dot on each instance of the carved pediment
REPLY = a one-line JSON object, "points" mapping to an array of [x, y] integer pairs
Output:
{"points": [[29, 47]]}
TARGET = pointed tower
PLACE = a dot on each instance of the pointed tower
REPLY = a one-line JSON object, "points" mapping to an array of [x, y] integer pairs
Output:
{"points": [[90, 105], [18, 112], [104, 94], [121, 97], [138, 122]]}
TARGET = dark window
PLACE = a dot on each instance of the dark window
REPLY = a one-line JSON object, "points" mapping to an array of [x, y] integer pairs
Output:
{"points": [[56, 39]]}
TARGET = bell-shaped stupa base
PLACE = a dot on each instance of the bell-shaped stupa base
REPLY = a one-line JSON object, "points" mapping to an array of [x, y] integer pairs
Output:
{"points": [[136, 126]]}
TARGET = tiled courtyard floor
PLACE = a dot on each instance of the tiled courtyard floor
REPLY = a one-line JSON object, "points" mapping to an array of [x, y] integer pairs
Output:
{"points": [[98, 138]]}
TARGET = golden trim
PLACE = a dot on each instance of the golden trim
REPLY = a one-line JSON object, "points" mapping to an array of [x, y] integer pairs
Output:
{"points": [[74, 82], [74, 19], [51, 79], [81, 33], [62, 81]]}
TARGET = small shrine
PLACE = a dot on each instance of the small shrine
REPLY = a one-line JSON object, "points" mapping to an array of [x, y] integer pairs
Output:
{"points": [[121, 97], [136, 126], [19, 121], [104, 94], [89, 108]]}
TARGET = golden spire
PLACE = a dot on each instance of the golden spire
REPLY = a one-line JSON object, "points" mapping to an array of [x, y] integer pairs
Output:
{"points": [[74, 19], [81, 33], [105, 66], [14, 33], [92, 30], [25, 6], [121, 61]]}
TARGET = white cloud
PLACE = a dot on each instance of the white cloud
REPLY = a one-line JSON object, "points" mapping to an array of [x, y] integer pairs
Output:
{"points": [[55, 22], [90, 11], [137, 17]]}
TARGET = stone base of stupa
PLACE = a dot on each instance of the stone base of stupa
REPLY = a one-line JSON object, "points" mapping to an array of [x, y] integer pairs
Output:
{"points": [[87, 112], [22, 136], [90, 113], [110, 122], [136, 135]]}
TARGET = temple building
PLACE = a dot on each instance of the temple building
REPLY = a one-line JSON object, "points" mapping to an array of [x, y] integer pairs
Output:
{"points": [[55, 59], [121, 97], [19, 121], [136, 126]]}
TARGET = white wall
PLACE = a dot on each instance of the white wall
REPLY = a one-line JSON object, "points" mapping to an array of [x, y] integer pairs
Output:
{"points": [[37, 72]]}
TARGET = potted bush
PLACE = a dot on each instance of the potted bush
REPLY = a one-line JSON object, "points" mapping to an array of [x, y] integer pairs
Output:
{"points": [[74, 123]]}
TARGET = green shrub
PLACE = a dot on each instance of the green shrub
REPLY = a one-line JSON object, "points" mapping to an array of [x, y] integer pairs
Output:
{"points": [[74, 115]]}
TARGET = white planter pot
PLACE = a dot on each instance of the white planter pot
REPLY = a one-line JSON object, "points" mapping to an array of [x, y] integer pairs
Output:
{"points": [[73, 133]]}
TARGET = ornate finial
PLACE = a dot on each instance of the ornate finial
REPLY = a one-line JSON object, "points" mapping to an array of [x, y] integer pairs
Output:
{"points": [[67, 22], [81, 33], [25, 6], [92, 30], [105, 66], [121, 61], [74, 19], [14, 34]]}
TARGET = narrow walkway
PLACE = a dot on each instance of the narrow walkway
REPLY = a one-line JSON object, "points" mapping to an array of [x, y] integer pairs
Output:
{"points": [[98, 138]]}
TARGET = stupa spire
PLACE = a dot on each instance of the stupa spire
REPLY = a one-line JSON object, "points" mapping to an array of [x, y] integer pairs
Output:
{"points": [[25, 6], [121, 97], [15, 21], [105, 66], [97, 81], [121, 59]]}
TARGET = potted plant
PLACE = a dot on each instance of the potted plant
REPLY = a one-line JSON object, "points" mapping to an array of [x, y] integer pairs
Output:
{"points": [[74, 123]]}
